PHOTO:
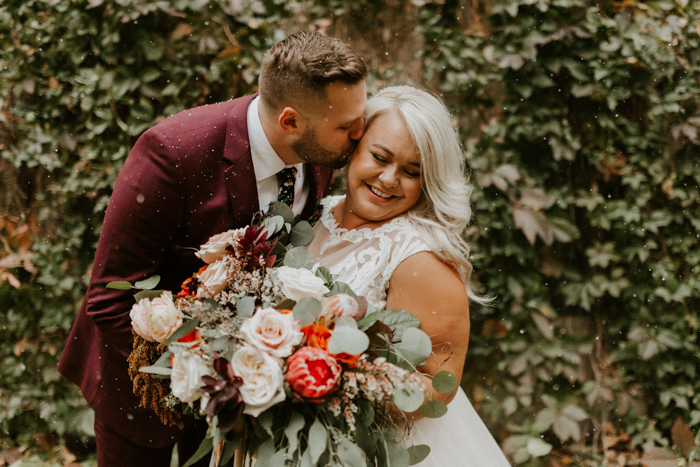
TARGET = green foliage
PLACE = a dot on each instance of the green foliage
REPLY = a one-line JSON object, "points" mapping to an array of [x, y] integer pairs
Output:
{"points": [[584, 158]]}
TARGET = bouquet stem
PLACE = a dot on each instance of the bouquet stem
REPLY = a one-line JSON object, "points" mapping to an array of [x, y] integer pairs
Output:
{"points": [[239, 456]]}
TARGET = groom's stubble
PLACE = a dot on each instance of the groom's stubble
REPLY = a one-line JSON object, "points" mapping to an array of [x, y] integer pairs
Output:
{"points": [[311, 151]]}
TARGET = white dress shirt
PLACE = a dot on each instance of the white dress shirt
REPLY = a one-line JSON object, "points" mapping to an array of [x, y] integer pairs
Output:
{"points": [[267, 164]]}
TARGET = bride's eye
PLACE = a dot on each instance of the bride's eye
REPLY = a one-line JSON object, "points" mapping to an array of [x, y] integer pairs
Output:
{"points": [[379, 158], [411, 173]]}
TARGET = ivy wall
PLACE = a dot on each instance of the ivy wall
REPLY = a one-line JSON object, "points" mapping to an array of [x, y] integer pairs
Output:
{"points": [[580, 121]]}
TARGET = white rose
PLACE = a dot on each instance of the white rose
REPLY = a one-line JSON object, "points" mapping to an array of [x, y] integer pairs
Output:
{"points": [[186, 378], [263, 381], [273, 332], [163, 318], [214, 278], [301, 283], [139, 319], [215, 248]]}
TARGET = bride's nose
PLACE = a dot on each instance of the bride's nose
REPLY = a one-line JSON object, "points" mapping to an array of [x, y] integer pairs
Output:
{"points": [[388, 177]]}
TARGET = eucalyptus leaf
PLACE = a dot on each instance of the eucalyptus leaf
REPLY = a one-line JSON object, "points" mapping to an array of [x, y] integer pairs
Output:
{"points": [[164, 360], [213, 304], [156, 370], [265, 452], [307, 310], [149, 294], [300, 258], [397, 454], [147, 284], [301, 234], [415, 347], [398, 321], [245, 307], [445, 382], [418, 453], [340, 287], [186, 328], [349, 340], [433, 409], [280, 209], [291, 431], [367, 322], [346, 321], [318, 438], [351, 454], [325, 274], [408, 400], [120, 285]]}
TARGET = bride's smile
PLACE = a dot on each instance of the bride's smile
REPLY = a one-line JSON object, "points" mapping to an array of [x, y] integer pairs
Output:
{"points": [[384, 175]]}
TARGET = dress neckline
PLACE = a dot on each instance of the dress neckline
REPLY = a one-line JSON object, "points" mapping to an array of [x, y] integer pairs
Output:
{"points": [[354, 235]]}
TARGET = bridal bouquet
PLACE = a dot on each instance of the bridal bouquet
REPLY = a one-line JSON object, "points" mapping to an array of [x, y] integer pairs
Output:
{"points": [[284, 363]]}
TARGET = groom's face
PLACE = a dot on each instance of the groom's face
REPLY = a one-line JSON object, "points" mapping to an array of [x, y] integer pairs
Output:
{"points": [[334, 126]]}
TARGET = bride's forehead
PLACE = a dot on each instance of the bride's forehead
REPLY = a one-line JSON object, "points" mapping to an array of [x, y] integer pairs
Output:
{"points": [[389, 132]]}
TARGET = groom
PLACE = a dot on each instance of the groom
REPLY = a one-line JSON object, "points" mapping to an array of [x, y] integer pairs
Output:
{"points": [[198, 173]]}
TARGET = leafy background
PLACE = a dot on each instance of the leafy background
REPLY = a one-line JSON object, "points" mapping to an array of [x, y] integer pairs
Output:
{"points": [[580, 122]]}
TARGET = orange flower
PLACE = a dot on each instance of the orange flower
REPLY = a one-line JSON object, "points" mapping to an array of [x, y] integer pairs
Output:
{"points": [[349, 360], [284, 312], [193, 336], [317, 335]]}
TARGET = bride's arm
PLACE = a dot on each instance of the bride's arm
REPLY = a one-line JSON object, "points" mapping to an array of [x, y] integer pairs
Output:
{"points": [[433, 292]]}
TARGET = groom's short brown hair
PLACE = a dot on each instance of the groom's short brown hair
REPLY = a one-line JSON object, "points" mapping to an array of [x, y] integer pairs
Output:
{"points": [[298, 68]]}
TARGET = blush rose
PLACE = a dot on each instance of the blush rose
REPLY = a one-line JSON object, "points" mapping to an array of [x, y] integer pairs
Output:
{"points": [[214, 279], [273, 332], [263, 381], [215, 248], [163, 317], [186, 378]]}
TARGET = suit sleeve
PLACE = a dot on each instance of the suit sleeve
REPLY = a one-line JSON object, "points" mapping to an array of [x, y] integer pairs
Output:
{"points": [[142, 220]]}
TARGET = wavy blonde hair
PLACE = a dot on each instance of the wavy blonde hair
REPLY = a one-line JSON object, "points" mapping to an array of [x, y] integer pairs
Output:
{"points": [[443, 211]]}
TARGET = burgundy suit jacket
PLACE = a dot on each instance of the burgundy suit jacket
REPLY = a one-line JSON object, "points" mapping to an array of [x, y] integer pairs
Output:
{"points": [[186, 179]]}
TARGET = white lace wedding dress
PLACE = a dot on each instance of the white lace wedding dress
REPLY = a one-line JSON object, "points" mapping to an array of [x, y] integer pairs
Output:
{"points": [[365, 259]]}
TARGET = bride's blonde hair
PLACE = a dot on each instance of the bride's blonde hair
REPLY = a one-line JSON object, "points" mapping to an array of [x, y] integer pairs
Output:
{"points": [[443, 212]]}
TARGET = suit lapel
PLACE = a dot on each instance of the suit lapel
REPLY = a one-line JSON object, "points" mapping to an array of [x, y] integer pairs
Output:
{"points": [[240, 176]]}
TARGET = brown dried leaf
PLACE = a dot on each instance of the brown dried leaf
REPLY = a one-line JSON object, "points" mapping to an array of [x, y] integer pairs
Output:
{"points": [[683, 437]]}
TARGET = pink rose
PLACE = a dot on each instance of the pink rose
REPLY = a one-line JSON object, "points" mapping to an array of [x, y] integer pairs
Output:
{"points": [[214, 279], [215, 248], [273, 332], [163, 317], [139, 319], [340, 305], [312, 373]]}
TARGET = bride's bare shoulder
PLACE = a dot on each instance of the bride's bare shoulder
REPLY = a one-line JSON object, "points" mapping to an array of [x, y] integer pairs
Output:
{"points": [[422, 277]]}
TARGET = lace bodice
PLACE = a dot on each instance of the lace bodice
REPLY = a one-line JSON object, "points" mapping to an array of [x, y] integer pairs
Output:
{"points": [[365, 259]]}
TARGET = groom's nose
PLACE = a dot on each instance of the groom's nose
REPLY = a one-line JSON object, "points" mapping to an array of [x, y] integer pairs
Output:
{"points": [[357, 129]]}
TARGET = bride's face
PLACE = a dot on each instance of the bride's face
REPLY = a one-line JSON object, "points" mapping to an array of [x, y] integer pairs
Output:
{"points": [[384, 175]]}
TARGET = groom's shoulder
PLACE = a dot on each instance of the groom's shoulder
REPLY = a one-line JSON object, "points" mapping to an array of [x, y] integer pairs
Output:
{"points": [[204, 125]]}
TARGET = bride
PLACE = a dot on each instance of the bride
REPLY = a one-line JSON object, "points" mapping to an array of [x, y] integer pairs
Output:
{"points": [[396, 238]]}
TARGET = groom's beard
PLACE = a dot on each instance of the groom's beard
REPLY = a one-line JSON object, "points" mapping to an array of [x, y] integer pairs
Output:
{"points": [[308, 148]]}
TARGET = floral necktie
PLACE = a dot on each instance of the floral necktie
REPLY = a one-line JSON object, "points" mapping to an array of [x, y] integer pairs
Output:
{"points": [[287, 178]]}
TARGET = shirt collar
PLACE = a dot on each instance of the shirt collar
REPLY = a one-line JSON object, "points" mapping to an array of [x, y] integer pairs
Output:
{"points": [[266, 162]]}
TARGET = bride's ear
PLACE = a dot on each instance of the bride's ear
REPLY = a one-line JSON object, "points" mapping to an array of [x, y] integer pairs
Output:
{"points": [[292, 121]]}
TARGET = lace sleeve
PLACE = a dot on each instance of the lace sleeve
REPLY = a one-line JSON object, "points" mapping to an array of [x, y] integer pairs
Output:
{"points": [[365, 259]]}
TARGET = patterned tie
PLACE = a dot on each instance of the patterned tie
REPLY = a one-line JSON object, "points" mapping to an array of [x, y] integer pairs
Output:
{"points": [[287, 178]]}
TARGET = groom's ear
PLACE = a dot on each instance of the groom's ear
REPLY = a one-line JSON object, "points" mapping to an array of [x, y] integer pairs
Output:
{"points": [[292, 121]]}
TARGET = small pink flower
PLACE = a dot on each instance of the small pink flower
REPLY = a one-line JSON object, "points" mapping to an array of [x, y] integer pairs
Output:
{"points": [[312, 373]]}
